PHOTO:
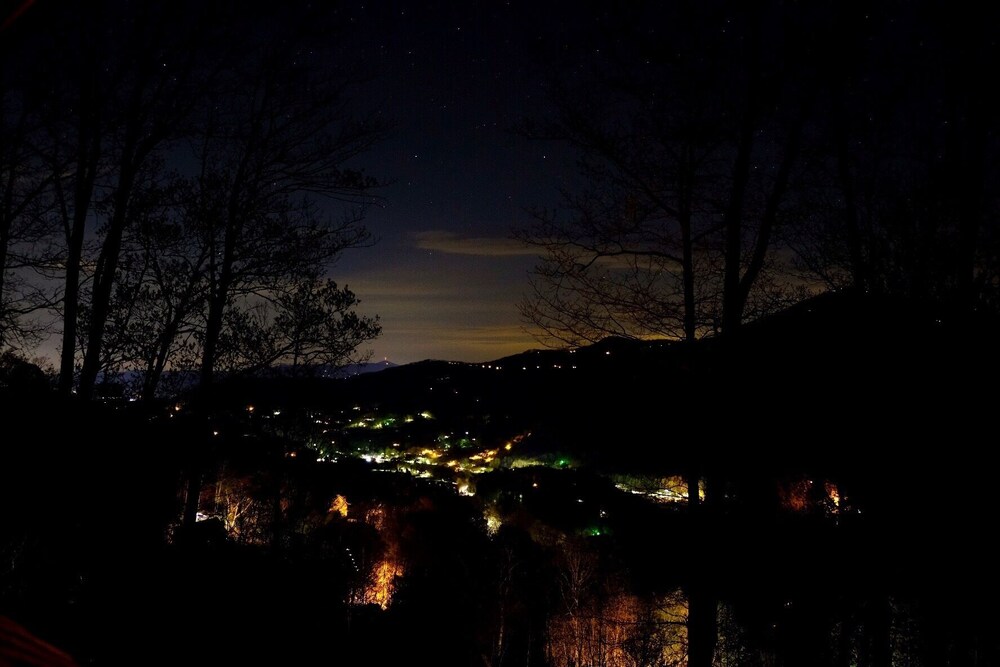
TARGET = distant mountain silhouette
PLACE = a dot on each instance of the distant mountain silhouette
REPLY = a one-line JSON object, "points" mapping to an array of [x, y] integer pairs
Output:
{"points": [[178, 382], [351, 370], [818, 351], [828, 379], [814, 373]]}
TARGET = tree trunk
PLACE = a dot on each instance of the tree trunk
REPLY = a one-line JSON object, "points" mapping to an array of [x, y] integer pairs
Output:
{"points": [[732, 304], [71, 310], [140, 139], [193, 494], [88, 154], [702, 625], [686, 195], [4, 242], [702, 606], [877, 649], [156, 365], [732, 307], [219, 296], [845, 640], [6, 223], [852, 222], [165, 342], [769, 219], [213, 328], [104, 280]]}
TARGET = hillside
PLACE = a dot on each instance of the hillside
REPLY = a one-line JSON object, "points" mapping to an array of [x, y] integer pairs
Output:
{"points": [[838, 447], [802, 385]]}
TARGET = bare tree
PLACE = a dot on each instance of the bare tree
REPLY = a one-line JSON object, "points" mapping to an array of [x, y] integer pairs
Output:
{"points": [[273, 154], [688, 146], [255, 123], [308, 324], [25, 200], [907, 205], [163, 76], [156, 310], [118, 85], [690, 134]]}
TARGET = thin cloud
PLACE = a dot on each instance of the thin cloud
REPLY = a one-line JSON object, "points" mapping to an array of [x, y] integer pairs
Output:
{"points": [[500, 333], [398, 288], [484, 246], [474, 345]]}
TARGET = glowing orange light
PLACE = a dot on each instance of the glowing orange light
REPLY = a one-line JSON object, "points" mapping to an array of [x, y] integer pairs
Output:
{"points": [[338, 505], [382, 585], [833, 493]]}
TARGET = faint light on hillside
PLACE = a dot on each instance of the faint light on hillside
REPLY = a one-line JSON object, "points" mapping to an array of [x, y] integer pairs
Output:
{"points": [[833, 493], [493, 521]]}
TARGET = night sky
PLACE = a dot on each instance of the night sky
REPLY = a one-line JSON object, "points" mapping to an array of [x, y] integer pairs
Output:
{"points": [[453, 79]]}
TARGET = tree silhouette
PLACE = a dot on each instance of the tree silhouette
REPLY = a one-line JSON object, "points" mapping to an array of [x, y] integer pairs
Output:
{"points": [[230, 128], [689, 142], [271, 150], [904, 202], [690, 137], [160, 293], [25, 201], [128, 78]]}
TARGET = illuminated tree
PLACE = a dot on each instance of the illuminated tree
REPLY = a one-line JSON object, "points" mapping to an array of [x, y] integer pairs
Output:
{"points": [[599, 622], [240, 501]]}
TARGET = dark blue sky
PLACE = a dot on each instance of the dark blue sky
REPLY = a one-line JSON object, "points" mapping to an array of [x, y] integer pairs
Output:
{"points": [[453, 79]]}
